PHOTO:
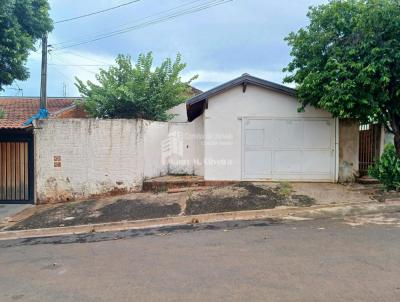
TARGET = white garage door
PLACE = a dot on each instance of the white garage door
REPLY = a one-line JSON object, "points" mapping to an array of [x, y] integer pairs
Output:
{"points": [[301, 149]]}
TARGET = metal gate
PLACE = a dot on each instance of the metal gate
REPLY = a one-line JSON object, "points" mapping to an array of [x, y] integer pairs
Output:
{"points": [[16, 169], [369, 148]]}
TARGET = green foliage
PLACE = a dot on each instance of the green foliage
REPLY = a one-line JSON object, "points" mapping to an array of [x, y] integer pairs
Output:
{"points": [[136, 91], [22, 23], [2, 113], [285, 188], [347, 61], [387, 169]]}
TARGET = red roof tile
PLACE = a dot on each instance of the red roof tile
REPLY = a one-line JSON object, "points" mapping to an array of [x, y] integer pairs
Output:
{"points": [[19, 110]]}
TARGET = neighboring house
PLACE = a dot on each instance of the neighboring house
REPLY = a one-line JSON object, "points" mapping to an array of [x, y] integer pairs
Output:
{"points": [[16, 143]]}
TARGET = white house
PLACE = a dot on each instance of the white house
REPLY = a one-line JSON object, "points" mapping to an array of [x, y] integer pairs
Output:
{"points": [[250, 129]]}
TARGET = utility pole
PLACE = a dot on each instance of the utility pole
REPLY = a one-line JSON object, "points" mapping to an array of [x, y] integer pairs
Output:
{"points": [[43, 80], [64, 89]]}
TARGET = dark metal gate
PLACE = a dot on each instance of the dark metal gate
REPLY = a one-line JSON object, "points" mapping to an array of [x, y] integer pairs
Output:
{"points": [[16, 169], [369, 148]]}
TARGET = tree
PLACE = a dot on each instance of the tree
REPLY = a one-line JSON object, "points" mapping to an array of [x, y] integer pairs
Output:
{"points": [[22, 23], [347, 61], [136, 91]]}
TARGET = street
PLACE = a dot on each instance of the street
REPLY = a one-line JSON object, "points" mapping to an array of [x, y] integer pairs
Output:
{"points": [[313, 260]]}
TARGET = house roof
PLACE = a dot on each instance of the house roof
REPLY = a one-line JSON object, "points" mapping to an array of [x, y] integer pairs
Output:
{"points": [[19, 109], [196, 105]]}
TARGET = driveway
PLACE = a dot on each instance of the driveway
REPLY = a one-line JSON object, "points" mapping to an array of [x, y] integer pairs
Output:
{"points": [[8, 210], [317, 260]]}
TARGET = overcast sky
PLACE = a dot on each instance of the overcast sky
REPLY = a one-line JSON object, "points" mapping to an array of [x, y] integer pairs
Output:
{"points": [[218, 43]]}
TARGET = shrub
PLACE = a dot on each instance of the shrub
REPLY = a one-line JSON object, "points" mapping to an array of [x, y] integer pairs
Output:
{"points": [[387, 169], [2, 113]]}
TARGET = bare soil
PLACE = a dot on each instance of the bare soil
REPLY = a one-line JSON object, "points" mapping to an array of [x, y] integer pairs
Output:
{"points": [[85, 212], [242, 197], [383, 196]]}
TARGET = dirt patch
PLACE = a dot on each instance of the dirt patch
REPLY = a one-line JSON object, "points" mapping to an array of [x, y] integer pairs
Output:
{"points": [[302, 200], [134, 210], [87, 212], [238, 197], [383, 196]]}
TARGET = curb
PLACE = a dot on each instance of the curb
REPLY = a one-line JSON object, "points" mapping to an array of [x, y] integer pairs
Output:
{"points": [[314, 212]]}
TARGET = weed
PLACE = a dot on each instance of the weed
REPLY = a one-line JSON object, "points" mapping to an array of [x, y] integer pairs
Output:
{"points": [[284, 188]]}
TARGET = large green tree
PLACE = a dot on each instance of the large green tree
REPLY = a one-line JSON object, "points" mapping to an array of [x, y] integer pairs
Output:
{"points": [[138, 90], [347, 61], [22, 23]]}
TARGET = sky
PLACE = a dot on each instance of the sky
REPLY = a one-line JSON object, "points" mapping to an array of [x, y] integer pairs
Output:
{"points": [[218, 43]]}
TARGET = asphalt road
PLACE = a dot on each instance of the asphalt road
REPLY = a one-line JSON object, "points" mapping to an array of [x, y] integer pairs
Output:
{"points": [[321, 260]]}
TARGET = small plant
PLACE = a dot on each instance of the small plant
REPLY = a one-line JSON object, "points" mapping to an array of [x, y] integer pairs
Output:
{"points": [[2, 113], [387, 169], [160, 189], [285, 188], [189, 194]]}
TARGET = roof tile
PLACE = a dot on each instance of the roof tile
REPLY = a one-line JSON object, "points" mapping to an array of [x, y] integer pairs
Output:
{"points": [[19, 110]]}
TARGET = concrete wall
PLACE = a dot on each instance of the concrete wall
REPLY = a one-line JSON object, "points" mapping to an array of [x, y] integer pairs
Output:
{"points": [[348, 150], [186, 148], [222, 125], [154, 133], [79, 158], [179, 113]]}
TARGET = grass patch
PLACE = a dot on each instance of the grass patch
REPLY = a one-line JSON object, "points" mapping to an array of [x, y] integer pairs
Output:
{"points": [[285, 188]]}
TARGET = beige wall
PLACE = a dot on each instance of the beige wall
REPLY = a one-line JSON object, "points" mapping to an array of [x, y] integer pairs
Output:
{"points": [[348, 149]]}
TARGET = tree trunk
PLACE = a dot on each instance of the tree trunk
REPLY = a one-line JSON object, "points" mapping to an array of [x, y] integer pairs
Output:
{"points": [[395, 125], [397, 142]]}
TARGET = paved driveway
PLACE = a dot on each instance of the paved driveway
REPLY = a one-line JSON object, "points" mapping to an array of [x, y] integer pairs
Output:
{"points": [[321, 260], [7, 210]]}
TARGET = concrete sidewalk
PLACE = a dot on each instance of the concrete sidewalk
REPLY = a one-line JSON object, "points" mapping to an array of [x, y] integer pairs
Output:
{"points": [[281, 213], [9, 210]]}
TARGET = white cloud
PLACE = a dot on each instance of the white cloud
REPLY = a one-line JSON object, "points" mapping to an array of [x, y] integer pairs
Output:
{"points": [[213, 78]]}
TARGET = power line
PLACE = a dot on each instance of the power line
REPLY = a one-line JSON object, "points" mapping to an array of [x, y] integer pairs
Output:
{"points": [[176, 8], [96, 12], [87, 58], [80, 65], [165, 18]]}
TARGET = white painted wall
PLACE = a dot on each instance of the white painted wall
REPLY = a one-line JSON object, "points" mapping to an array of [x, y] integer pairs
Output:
{"points": [[79, 158], [97, 157], [154, 133], [179, 112], [222, 125], [186, 151]]}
